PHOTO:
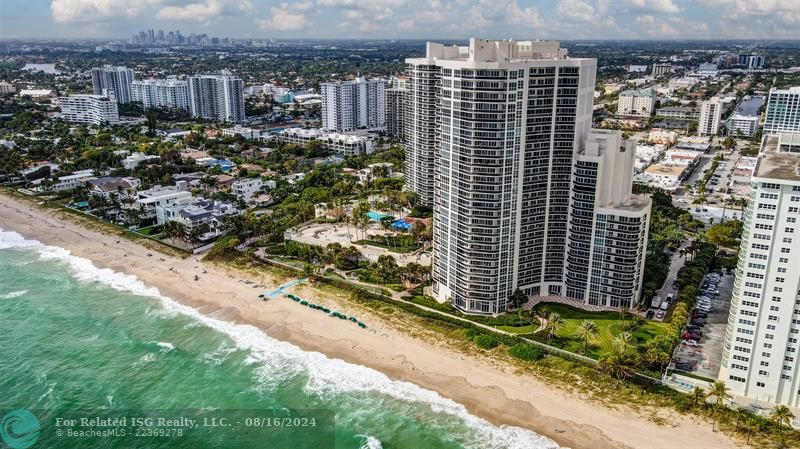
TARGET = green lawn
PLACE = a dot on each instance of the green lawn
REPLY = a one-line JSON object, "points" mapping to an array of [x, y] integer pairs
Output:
{"points": [[608, 327]]}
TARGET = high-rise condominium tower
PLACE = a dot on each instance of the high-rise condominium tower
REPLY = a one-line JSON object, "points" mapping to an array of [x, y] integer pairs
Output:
{"points": [[783, 111], [497, 129], [114, 82], [761, 353], [217, 97], [168, 93], [354, 104], [710, 115]]}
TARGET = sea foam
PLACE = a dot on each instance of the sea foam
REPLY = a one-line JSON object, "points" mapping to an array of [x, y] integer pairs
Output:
{"points": [[12, 295], [325, 375]]}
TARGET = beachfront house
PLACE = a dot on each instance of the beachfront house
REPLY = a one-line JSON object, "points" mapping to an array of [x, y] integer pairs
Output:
{"points": [[205, 217], [61, 183], [112, 187], [149, 200]]}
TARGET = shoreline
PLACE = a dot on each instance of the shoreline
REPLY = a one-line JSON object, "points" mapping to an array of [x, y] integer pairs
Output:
{"points": [[489, 391]]}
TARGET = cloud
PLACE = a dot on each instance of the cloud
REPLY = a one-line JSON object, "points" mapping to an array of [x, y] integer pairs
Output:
{"points": [[576, 10], [285, 17], [65, 11], [667, 6], [204, 11]]}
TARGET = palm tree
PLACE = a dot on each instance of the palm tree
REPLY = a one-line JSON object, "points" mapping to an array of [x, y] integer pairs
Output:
{"points": [[697, 395], [619, 364], [624, 340], [719, 391], [554, 324], [780, 415], [750, 424], [741, 416], [587, 331]]}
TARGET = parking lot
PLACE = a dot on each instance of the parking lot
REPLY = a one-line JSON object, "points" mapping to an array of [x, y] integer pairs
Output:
{"points": [[706, 356]]}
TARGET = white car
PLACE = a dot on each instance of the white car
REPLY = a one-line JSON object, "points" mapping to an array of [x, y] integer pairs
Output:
{"points": [[660, 314], [690, 342]]}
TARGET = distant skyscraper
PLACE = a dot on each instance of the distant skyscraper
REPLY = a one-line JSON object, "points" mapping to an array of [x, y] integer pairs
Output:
{"points": [[524, 197], [355, 104], [114, 82], [761, 353], [752, 61], [783, 111], [168, 93], [217, 97], [710, 115]]}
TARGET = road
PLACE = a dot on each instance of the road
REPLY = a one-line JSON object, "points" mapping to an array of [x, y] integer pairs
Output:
{"points": [[676, 262]]}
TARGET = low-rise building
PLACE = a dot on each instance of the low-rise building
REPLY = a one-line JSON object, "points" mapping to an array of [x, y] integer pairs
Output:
{"points": [[679, 112], [681, 157], [247, 189], [6, 88], [662, 136], [133, 161], [247, 133], [37, 93], [345, 144], [665, 176]]}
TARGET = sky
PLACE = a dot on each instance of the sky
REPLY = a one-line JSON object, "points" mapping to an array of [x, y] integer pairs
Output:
{"points": [[521, 19]]}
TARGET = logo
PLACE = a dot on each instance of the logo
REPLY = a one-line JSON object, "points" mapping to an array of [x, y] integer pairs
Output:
{"points": [[19, 429]]}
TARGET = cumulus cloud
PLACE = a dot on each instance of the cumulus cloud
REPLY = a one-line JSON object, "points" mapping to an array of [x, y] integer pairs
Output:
{"points": [[667, 6], [204, 11], [285, 17], [65, 11]]}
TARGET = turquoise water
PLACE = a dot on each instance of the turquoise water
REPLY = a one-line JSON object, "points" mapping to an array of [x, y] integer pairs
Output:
{"points": [[82, 341]]}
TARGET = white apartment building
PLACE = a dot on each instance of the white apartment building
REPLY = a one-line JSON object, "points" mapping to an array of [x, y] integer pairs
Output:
{"points": [[510, 118], [67, 182], [114, 82], [217, 97], [168, 93], [6, 88], [783, 111], [247, 133], [744, 125], [710, 116], [639, 102], [608, 225], [344, 144], [761, 353], [89, 109], [354, 104]]}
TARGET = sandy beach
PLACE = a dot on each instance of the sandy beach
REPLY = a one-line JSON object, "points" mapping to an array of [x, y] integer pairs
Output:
{"points": [[492, 392]]}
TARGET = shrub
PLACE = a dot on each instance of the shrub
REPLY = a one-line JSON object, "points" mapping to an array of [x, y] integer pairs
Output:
{"points": [[485, 341], [526, 351], [471, 332]]}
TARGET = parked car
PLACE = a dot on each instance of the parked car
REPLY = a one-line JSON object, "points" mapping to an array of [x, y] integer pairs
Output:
{"points": [[699, 322], [649, 315], [685, 366], [690, 343], [660, 314], [699, 314], [691, 336]]}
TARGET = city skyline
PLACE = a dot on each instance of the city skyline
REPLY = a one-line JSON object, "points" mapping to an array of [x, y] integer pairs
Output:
{"points": [[570, 19]]}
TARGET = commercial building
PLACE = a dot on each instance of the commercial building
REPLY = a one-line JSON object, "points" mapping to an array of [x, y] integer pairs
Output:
{"points": [[510, 118], [344, 144], [168, 93], [710, 115], [665, 176], [114, 82], [662, 69], [217, 97], [396, 110], [783, 111], [752, 61], [760, 358], [639, 102], [353, 104], [662, 136], [89, 109]]}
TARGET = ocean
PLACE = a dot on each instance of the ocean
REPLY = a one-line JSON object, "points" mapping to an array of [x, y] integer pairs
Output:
{"points": [[92, 358]]}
